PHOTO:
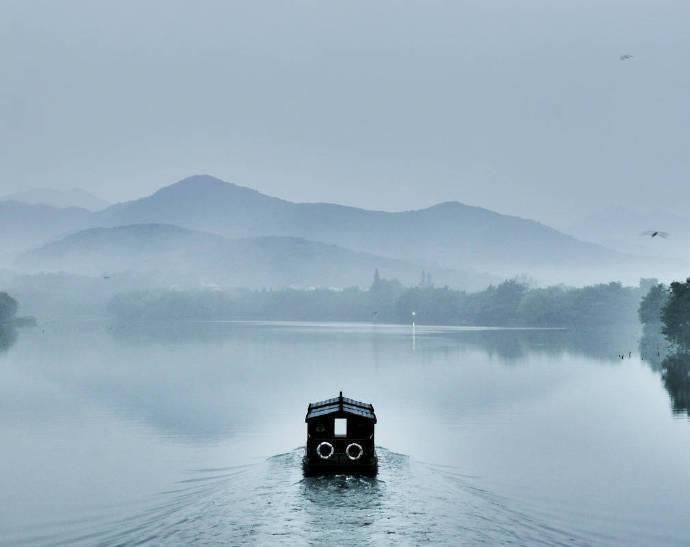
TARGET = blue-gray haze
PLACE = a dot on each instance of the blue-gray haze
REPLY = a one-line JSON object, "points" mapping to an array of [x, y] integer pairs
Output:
{"points": [[171, 433], [521, 107], [170, 169]]}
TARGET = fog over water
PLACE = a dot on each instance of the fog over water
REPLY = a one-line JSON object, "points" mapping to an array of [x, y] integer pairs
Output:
{"points": [[470, 213], [189, 432]]}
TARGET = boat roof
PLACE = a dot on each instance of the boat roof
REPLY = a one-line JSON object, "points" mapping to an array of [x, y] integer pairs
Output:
{"points": [[340, 405]]}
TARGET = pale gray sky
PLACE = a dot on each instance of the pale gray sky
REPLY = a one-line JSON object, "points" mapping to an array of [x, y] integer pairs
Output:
{"points": [[519, 106]]}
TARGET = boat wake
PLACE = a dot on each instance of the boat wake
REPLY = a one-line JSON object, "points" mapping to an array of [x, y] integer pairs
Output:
{"points": [[273, 503]]}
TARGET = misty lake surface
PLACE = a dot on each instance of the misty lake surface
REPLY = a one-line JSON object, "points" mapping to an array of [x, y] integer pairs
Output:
{"points": [[181, 433]]}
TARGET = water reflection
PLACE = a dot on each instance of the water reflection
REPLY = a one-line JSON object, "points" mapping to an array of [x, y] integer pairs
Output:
{"points": [[510, 345], [672, 363], [654, 347], [174, 332], [116, 434], [200, 381], [676, 375], [515, 345]]}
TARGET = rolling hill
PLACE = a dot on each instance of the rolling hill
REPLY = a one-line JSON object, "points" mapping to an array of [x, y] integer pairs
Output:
{"points": [[176, 256]]}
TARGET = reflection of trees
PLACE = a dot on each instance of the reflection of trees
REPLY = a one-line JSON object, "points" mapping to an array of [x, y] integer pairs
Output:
{"points": [[171, 332], [509, 345], [676, 375], [672, 361], [653, 346], [8, 336], [514, 345]]}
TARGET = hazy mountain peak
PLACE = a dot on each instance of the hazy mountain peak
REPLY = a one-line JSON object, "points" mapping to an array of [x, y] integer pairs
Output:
{"points": [[451, 207], [207, 185], [448, 205], [200, 182]]}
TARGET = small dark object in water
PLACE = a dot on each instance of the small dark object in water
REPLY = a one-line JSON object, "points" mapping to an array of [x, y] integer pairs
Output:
{"points": [[340, 437]]}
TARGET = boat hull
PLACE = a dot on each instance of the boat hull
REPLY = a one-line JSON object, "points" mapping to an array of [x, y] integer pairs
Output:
{"points": [[317, 466]]}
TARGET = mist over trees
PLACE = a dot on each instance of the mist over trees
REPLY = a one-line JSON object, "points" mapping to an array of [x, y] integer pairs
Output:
{"points": [[668, 309], [652, 304], [8, 311], [675, 314], [8, 307], [510, 303]]}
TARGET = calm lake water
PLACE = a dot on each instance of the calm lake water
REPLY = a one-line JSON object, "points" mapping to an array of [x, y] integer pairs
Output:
{"points": [[187, 433]]}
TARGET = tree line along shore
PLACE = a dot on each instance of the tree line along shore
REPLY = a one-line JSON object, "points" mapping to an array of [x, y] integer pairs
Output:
{"points": [[511, 304]]}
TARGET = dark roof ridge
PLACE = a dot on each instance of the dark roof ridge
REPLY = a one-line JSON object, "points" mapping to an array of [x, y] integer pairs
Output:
{"points": [[340, 405]]}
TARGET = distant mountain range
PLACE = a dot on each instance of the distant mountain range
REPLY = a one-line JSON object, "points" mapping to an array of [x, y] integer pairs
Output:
{"points": [[177, 256], [451, 233], [76, 197], [449, 237]]}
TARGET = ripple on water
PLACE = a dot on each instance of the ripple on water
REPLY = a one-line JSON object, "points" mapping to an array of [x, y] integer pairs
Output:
{"points": [[408, 502]]}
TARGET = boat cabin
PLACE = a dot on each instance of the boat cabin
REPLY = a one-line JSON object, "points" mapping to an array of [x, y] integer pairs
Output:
{"points": [[340, 437]]}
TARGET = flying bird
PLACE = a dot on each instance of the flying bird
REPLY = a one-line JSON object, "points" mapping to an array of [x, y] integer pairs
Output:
{"points": [[655, 233], [625, 57]]}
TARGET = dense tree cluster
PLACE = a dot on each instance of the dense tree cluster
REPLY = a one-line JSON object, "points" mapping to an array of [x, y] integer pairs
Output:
{"points": [[675, 314], [652, 304], [508, 304], [8, 307], [666, 310]]}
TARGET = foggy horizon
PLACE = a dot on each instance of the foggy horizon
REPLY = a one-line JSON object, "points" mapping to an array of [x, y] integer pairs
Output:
{"points": [[387, 107], [454, 231]]}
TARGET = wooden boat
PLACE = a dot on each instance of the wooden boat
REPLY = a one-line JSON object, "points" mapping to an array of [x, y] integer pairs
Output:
{"points": [[340, 437]]}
